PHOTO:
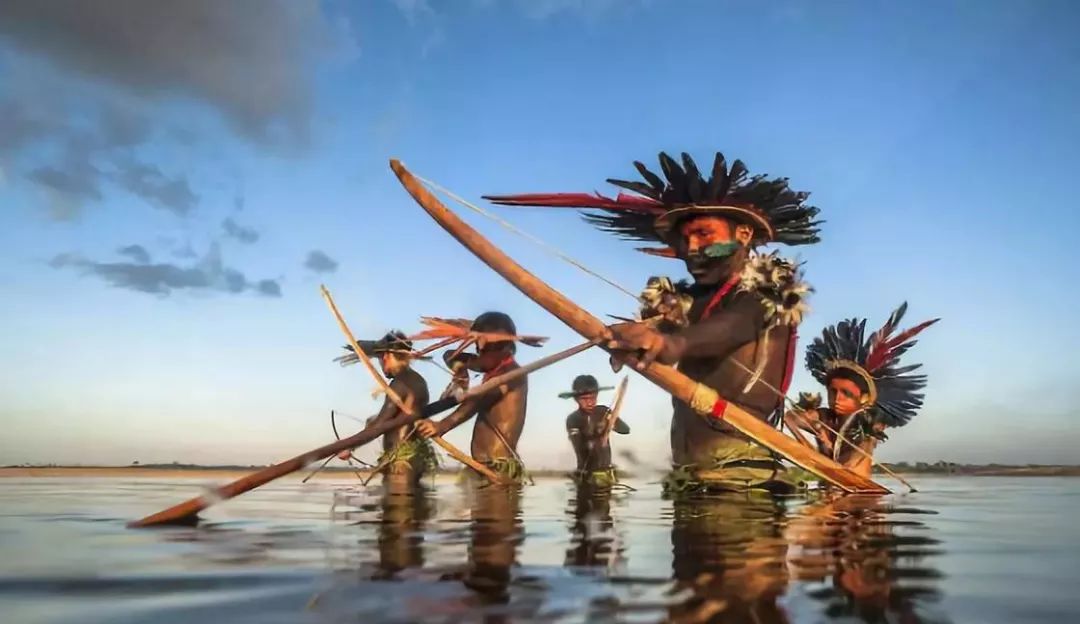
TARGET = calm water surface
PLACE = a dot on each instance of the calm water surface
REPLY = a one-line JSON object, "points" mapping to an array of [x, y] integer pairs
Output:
{"points": [[959, 550]]}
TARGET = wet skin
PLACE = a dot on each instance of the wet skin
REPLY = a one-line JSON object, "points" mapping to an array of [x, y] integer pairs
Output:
{"points": [[412, 389], [585, 429], [503, 407], [711, 348], [845, 399]]}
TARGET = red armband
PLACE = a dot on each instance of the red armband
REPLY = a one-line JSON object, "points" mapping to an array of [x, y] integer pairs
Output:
{"points": [[718, 409]]}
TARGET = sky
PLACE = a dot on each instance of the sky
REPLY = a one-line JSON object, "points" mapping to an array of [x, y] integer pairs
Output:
{"points": [[176, 183]]}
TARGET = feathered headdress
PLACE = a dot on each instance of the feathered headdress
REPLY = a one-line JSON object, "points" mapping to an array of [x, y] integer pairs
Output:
{"points": [[893, 394], [462, 329], [445, 331], [393, 342], [776, 212]]}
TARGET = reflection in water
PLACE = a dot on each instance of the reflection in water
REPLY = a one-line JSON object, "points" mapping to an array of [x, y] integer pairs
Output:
{"points": [[496, 533], [453, 556], [728, 558], [873, 573], [739, 558], [593, 539], [405, 512]]}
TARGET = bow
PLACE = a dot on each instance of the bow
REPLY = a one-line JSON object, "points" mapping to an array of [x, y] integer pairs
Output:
{"points": [[406, 408], [701, 398]]}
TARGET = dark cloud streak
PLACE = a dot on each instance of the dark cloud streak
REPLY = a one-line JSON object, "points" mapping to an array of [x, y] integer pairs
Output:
{"points": [[243, 234], [149, 183], [209, 274], [137, 253], [319, 262]]}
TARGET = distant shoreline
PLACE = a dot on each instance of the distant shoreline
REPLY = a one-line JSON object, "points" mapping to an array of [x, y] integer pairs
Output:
{"points": [[192, 471]]}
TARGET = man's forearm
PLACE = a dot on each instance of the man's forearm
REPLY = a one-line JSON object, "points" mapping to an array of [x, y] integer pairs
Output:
{"points": [[464, 412]]}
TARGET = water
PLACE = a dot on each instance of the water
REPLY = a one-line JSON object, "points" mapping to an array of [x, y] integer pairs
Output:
{"points": [[960, 550]]}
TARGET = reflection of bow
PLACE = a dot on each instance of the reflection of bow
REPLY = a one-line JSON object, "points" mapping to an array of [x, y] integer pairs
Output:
{"points": [[701, 398]]}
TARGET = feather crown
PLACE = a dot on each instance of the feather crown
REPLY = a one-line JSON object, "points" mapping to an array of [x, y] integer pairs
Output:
{"points": [[777, 213], [893, 392]]}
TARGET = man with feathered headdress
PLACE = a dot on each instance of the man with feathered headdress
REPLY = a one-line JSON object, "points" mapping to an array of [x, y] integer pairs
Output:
{"points": [[868, 390], [406, 458], [733, 327], [500, 414]]}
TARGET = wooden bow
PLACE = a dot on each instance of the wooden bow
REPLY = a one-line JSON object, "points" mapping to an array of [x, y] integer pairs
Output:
{"points": [[701, 398], [405, 408]]}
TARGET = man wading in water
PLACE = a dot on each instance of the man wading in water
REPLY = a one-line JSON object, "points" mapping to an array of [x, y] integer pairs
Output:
{"points": [[500, 413], [406, 458], [734, 325], [586, 427]]}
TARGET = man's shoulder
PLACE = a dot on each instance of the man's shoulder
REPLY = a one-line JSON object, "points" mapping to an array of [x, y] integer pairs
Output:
{"points": [[409, 379]]}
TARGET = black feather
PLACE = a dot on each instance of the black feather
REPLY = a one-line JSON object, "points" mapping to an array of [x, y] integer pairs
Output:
{"points": [[650, 177]]}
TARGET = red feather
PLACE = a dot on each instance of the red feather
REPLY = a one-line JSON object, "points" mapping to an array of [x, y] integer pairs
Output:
{"points": [[460, 329], [881, 346], [442, 328], [623, 201], [660, 252]]}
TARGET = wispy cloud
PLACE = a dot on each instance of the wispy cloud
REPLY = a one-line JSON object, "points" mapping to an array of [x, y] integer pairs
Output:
{"points": [[209, 274], [319, 262], [85, 88], [148, 182], [137, 253], [243, 234], [248, 59]]}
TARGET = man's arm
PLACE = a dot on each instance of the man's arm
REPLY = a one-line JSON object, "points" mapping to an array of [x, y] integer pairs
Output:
{"points": [[468, 409], [719, 335], [389, 408], [621, 427], [576, 436]]}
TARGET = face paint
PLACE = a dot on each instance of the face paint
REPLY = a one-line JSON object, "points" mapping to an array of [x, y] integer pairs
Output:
{"points": [[721, 250]]}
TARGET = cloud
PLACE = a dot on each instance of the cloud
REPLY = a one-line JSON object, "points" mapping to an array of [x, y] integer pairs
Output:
{"points": [[319, 262], [251, 60], [86, 87], [149, 183], [269, 288], [76, 182], [137, 253], [209, 274], [86, 153], [243, 234], [19, 126]]}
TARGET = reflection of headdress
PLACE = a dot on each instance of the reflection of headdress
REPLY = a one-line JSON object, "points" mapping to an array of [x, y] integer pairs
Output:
{"points": [[892, 393], [776, 212], [583, 384]]}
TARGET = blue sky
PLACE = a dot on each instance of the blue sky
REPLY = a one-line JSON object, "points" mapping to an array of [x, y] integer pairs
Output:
{"points": [[939, 140]]}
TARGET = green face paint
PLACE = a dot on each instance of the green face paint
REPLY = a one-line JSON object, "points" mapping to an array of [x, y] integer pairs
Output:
{"points": [[720, 250]]}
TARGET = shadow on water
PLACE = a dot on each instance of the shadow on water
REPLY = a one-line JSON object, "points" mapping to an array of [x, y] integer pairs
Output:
{"points": [[487, 554]]}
